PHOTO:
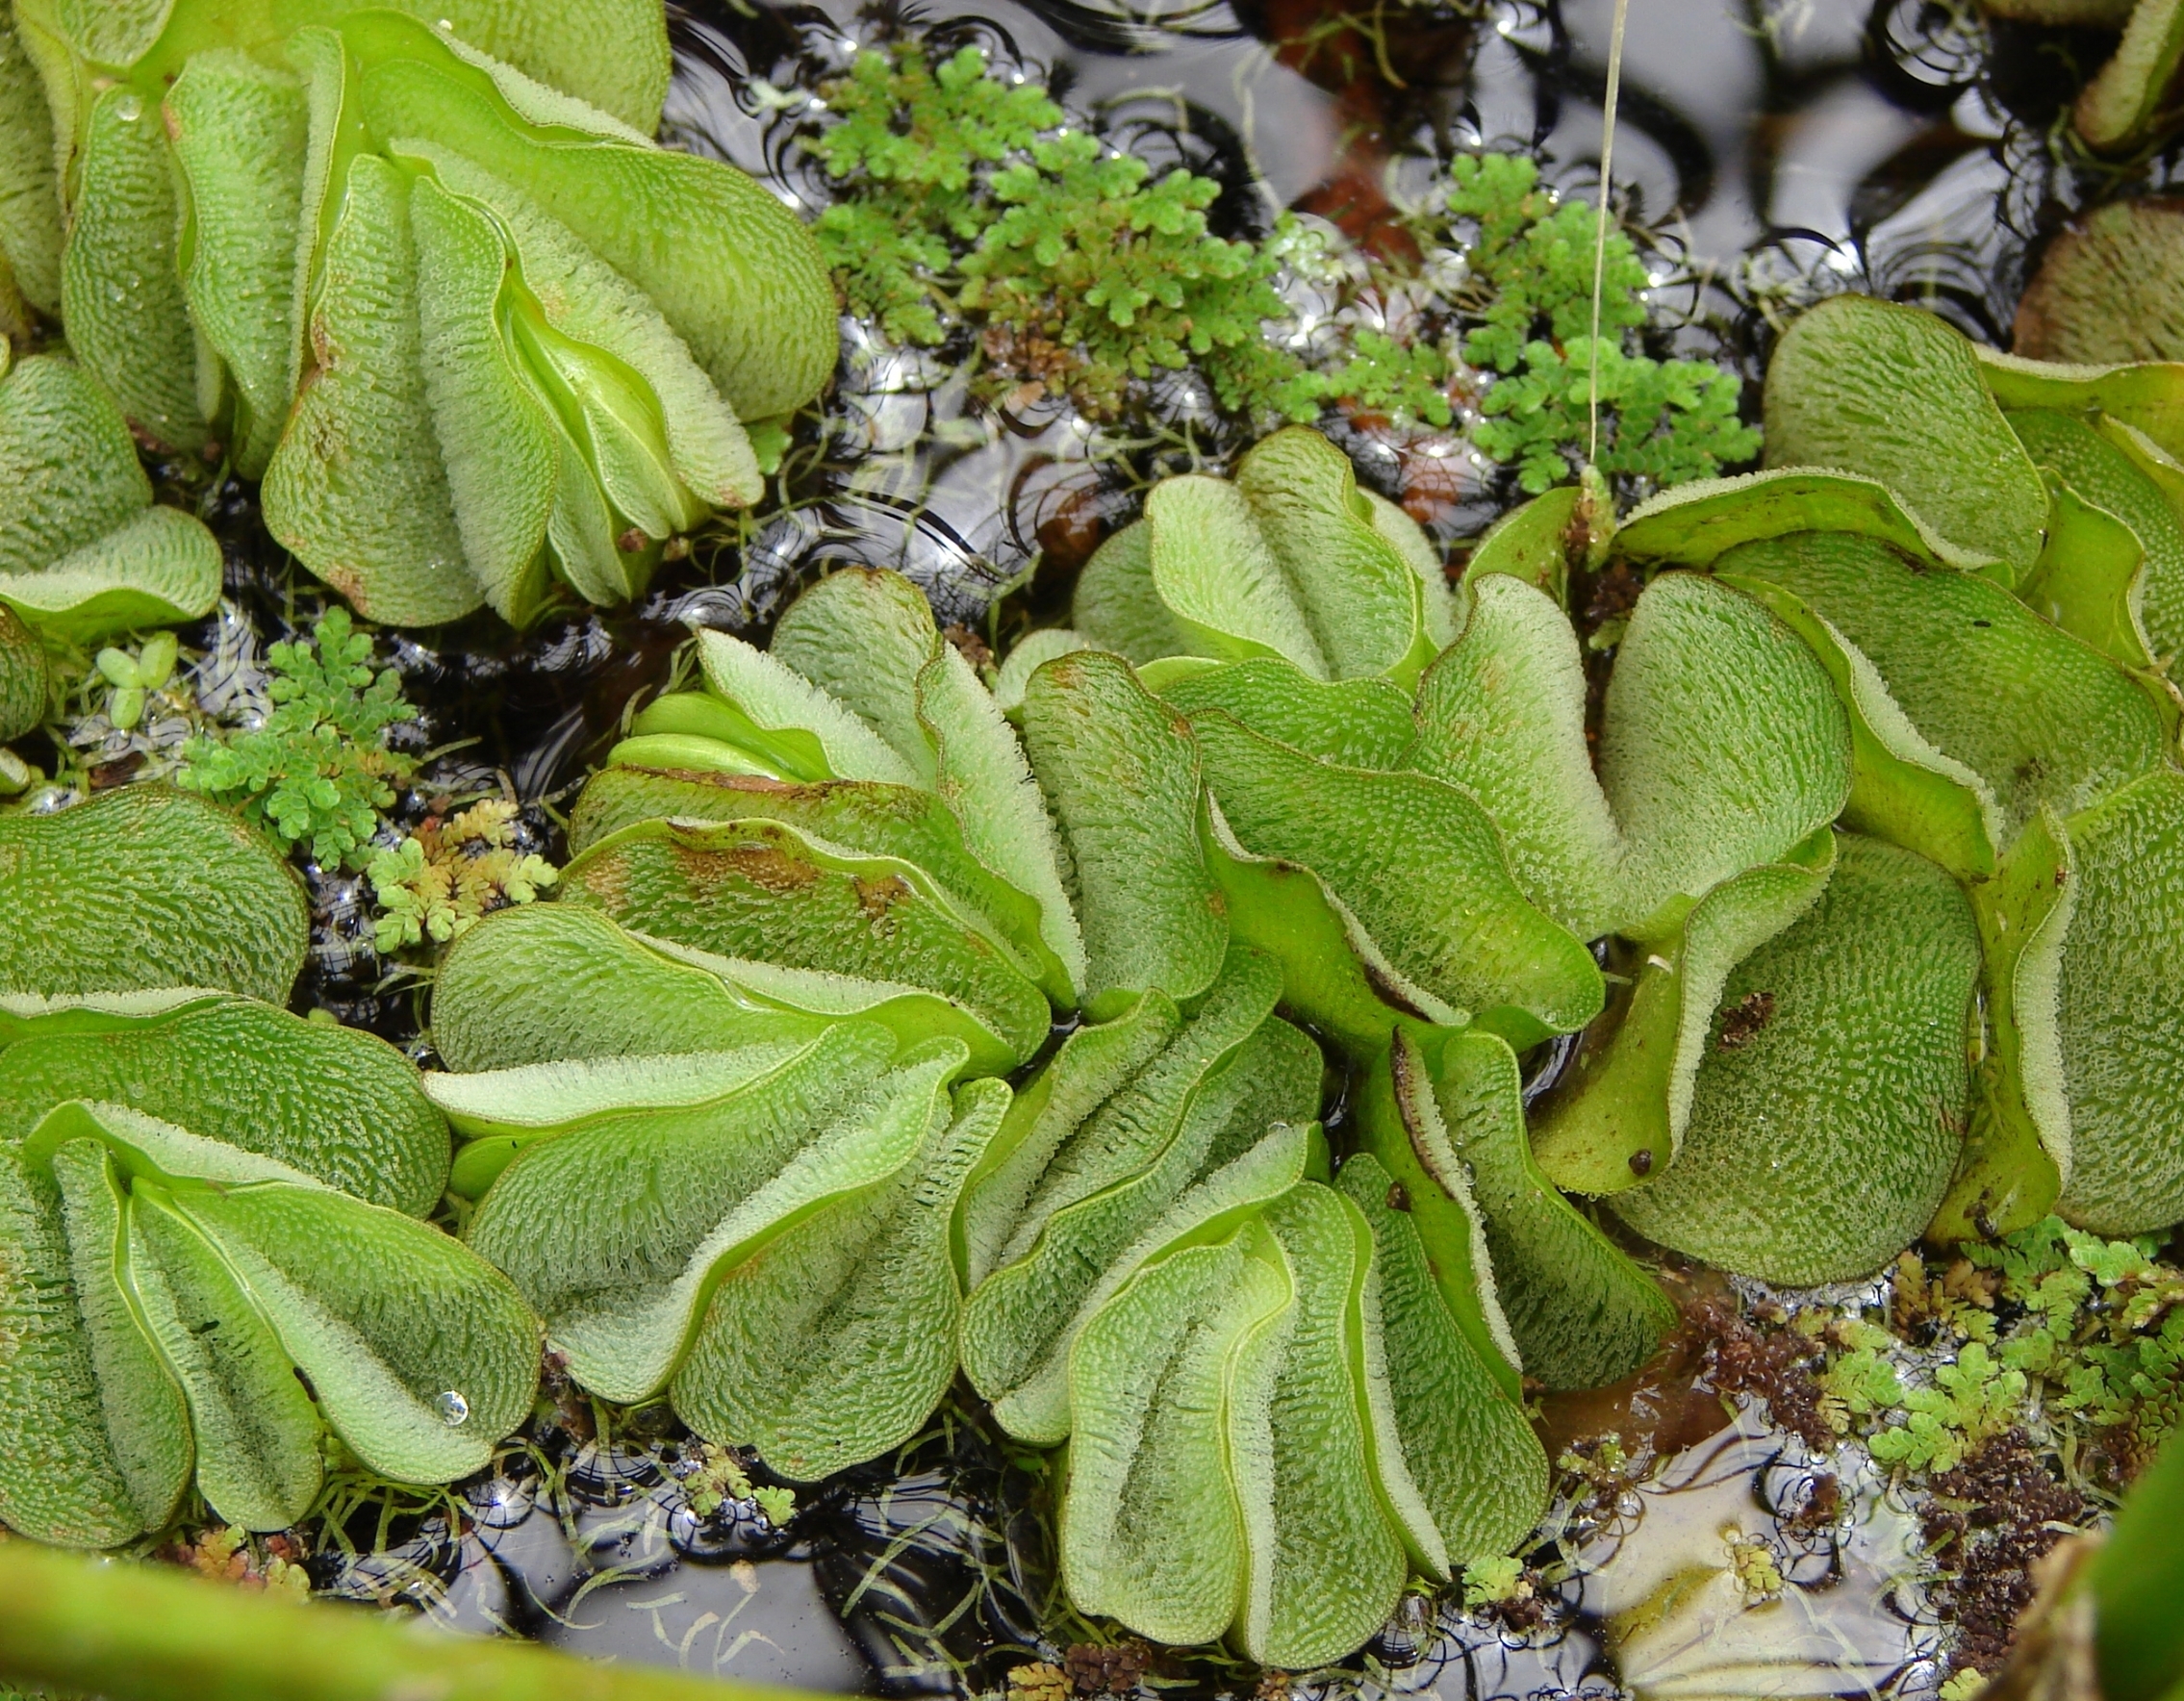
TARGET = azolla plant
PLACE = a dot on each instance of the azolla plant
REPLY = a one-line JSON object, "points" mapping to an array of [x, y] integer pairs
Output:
{"points": [[478, 334], [209, 1207]]}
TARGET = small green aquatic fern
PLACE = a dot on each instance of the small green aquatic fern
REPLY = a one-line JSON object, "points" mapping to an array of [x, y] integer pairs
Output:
{"points": [[319, 772], [1530, 256]]}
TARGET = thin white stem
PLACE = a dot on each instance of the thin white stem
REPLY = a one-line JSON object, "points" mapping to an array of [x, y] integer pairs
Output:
{"points": [[1600, 233]]}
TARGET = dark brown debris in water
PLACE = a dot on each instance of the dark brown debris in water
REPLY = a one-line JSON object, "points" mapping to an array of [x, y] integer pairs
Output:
{"points": [[1106, 1668], [1770, 1362], [1991, 1521]]}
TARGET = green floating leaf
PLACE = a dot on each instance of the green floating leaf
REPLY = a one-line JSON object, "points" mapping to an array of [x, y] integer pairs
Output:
{"points": [[863, 636], [1466, 1441], [336, 1104], [1896, 395], [82, 553], [30, 231], [766, 891], [1350, 722], [1120, 772], [239, 131], [68, 471], [1721, 747], [1531, 543], [1829, 1109], [2016, 1151], [1033, 652], [547, 981], [2090, 580], [2038, 717], [157, 570], [778, 722], [143, 888], [1152, 1528], [1696, 524], [2122, 1051], [122, 294], [852, 1313], [223, 1305], [357, 488], [25, 679], [1290, 560], [732, 270], [770, 1244], [612, 54], [2111, 477], [2146, 395], [866, 638], [859, 816], [1083, 1194], [1416, 867], [1558, 1297], [1619, 1111]]}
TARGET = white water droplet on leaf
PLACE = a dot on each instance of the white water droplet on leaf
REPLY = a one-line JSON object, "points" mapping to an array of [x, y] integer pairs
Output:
{"points": [[453, 1409]]}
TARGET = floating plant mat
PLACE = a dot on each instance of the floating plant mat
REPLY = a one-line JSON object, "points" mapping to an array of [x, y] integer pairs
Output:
{"points": [[1121, 1198]]}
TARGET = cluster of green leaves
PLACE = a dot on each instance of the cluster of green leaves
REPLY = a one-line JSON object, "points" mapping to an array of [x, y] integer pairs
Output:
{"points": [[913, 145], [2101, 1328], [212, 1226], [963, 199], [443, 879], [1532, 257], [1092, 257], [2075, 1336], [587, 304], [963, 194], [318, 773]]}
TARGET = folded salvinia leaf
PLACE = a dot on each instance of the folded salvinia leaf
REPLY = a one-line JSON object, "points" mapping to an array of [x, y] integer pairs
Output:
{"points": [[1289, 559], [191, 1307], [1273, 1420], [480, 337], [1532, 1283], [84, 554], [1829, 1108], [26, 681], [1721, 746], [1987, 694], [2113, 468], [858, 688], [1896, 395], [337, 1104], [762, 1234], [547, 981], [143, 888], [1995, 458], [758, 891], [1415, 867], [30, 200], [1621, 1109], [2121, 1039], [1101, 1146]]}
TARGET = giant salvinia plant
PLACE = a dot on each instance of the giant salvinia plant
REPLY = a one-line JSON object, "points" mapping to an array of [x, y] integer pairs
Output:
{"points": [[476, 331], [1874, 833], [209, 1207]]}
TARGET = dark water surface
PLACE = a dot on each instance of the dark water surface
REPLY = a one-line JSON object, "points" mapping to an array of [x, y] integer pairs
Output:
{"points": [[1775, 151]]}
